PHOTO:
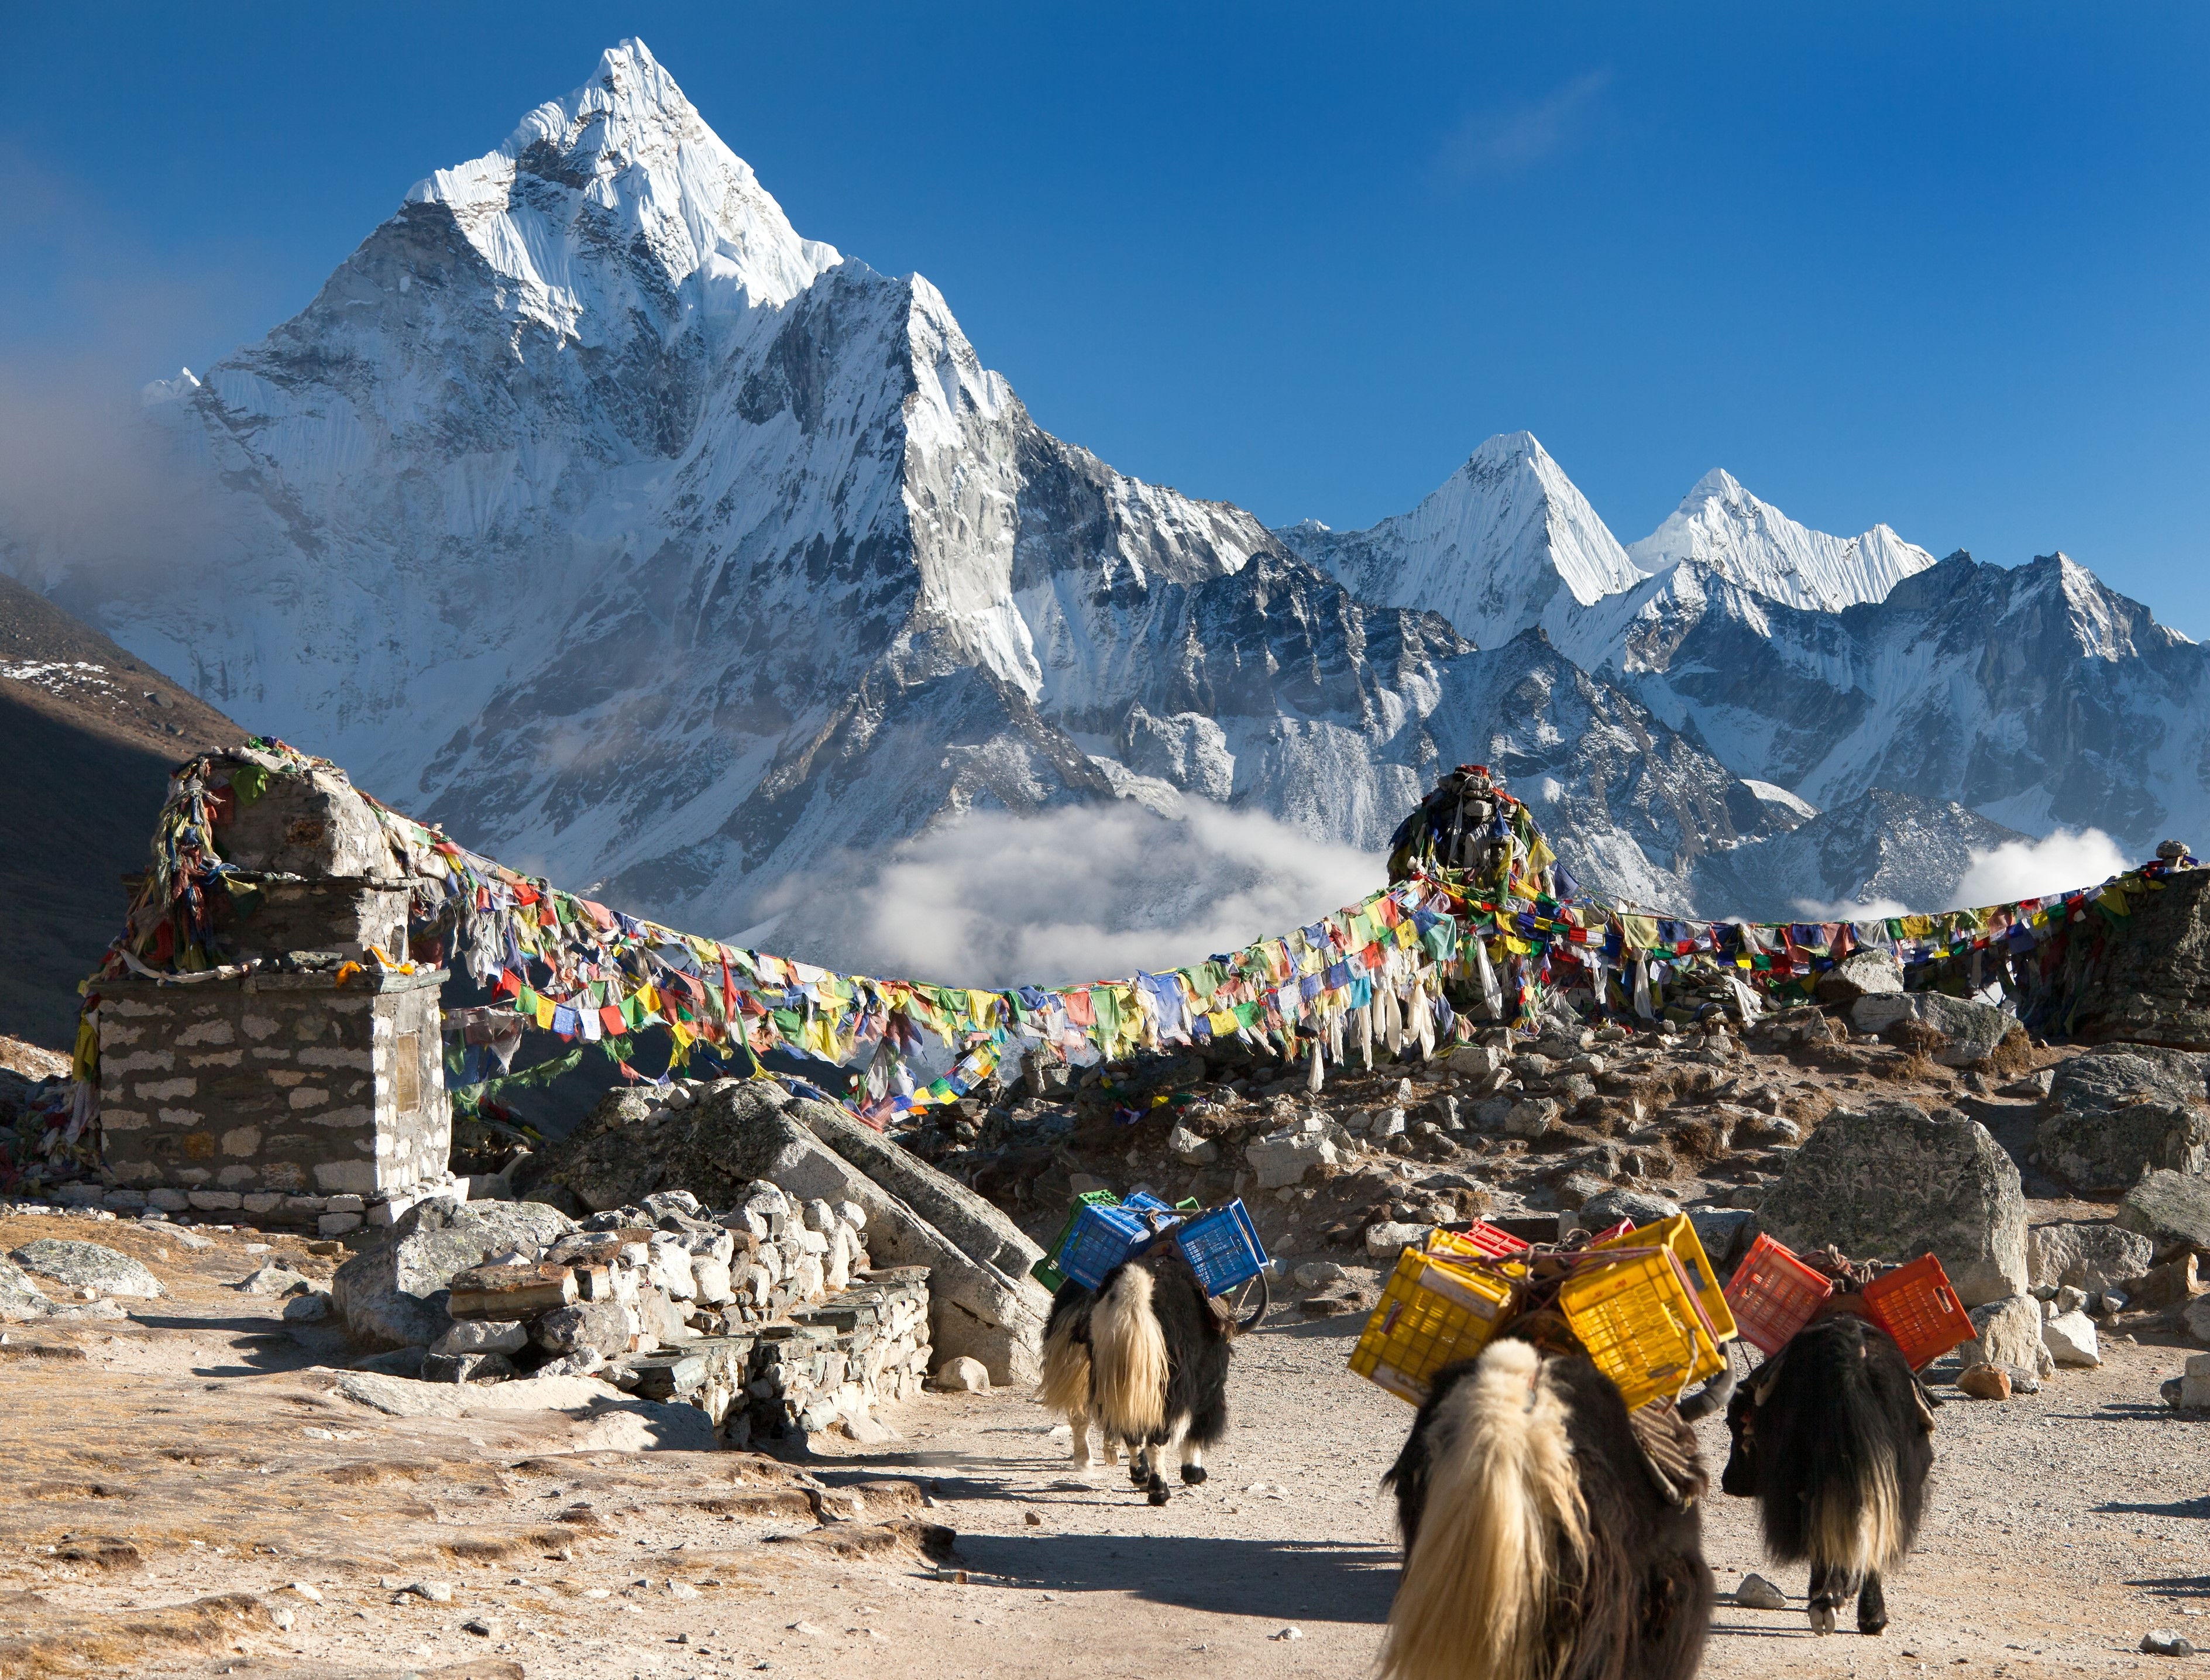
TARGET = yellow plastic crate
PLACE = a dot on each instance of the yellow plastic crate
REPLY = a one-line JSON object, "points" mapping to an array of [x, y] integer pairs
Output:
{"points": [[1678, 1233], [1638, 1318], [1430, 1314]]}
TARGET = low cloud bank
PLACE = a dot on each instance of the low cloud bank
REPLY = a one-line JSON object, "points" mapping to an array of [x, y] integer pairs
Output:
{"points": [[2059, 863], [2034, 869], [1085, 892]]}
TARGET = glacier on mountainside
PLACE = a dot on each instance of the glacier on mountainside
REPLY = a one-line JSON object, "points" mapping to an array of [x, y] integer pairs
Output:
{"points": [[1507, 543], [1724, 529]]}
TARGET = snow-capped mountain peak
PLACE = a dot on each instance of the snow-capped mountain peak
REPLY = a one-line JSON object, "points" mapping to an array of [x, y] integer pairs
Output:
{"points": [[624, 161], [1724, 527], [1506, 542]]}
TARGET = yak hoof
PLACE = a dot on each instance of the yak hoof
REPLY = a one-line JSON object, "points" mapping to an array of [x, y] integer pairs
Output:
{"points": [[1140, 1473], [1822, 1618], [1192, 1473], [1875, 1624], [1158, 1494]]}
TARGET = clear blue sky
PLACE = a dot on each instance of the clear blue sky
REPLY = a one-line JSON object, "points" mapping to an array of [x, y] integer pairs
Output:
{"points": [[1941, 266]]}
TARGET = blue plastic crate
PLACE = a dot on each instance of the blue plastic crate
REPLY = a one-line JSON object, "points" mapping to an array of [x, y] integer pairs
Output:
{"points": [[1103, 1237], [1046, 1271], [1222, 1247]]}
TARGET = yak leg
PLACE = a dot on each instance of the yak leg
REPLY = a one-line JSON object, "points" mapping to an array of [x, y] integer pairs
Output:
{"points": [[1084, 1459], [1192, 1465], [1139, 1463], [1872, 1605], [1112, 1444], [1159, 1452], [1829, 1587]]}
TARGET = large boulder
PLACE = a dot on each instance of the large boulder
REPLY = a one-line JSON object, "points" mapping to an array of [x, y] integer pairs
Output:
{"points": [[1861, 974], [1973, 1030], [2147, 980], [394, 1293], [2169, 1208], [2009, 1333], [88, 1267], [2121, 1110], [982, 1302], [1890, 1183], [2091, 1257]]}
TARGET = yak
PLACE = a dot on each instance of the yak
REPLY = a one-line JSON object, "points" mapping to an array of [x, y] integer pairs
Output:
{"points": [[1145, 1355], [1833, 1439], [1546, 1536]]}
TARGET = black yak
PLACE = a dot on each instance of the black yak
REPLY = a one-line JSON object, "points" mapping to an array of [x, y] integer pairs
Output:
{"points": [[1146, 1358], [1547, 1537], [1833, 1438]]}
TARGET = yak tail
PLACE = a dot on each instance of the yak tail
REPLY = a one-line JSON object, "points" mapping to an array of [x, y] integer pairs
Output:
{"points": [[1128, 1357], [1852, 1510], [1065, 1386], [1503, 1502]]}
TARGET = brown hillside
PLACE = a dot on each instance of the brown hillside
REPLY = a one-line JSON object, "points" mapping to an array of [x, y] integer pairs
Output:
{"points": [[92, 732]]}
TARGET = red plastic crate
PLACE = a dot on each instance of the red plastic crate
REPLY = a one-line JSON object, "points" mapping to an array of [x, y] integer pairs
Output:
{"points": [[1773, 1294], [1916, 1305], [1478, 1238]]}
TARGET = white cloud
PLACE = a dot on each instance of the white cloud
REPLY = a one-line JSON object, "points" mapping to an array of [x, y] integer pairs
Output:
{"points": [[2034, 869], [1079, 893]]}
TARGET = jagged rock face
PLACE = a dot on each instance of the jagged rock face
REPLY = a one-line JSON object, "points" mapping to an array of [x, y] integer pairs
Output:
{"points": [[2035, 697], [592, 510], [1891, 849]]}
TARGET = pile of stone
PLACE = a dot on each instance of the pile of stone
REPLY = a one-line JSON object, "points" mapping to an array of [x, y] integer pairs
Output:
{"points": [[767, 1315]]}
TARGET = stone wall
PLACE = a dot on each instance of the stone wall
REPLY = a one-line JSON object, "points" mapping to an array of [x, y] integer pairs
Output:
{"points": [[824, 1367], [274, 1093]]}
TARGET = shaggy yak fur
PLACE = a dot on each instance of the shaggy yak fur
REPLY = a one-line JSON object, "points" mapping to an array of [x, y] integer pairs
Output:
{"points": [[1146, 1356], [1538, 1544], [1833, 1439]]}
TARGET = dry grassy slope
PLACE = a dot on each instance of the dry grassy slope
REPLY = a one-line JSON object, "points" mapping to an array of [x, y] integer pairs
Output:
{"points": [[91, 756]]}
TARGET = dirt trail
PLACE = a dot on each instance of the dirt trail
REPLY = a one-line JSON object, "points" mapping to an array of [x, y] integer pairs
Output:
{"points": [[187, 1467]]}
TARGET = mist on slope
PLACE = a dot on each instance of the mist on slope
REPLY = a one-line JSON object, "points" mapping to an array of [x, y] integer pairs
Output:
{"points": [[2059, 863], [1064, 896]]}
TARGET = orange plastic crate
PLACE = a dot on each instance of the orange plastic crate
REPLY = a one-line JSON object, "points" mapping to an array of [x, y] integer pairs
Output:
{"points": [[1916, 1305], [1773, 1294]]}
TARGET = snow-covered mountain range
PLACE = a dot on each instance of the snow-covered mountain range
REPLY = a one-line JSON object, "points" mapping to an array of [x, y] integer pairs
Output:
{"points": [[592, 510]]}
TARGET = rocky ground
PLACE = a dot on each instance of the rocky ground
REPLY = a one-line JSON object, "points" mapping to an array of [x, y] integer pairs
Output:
{"points": [[1705, 1115], [199, 1493]]}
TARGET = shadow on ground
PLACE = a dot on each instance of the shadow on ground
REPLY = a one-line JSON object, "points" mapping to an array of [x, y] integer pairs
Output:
{"points": [[1317, 1581]]}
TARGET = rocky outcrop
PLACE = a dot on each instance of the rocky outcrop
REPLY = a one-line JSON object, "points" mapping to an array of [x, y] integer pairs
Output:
{"points": [[1970, 1032], [2170, 1209], [2121, 1110], [1891, 1182], [2149, 983]]}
